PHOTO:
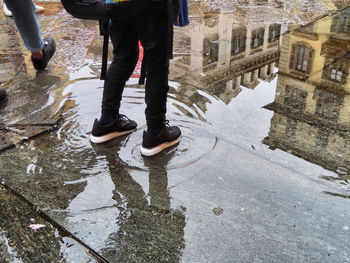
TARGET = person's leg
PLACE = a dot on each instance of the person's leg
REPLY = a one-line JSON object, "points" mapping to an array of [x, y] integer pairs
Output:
{"points": [[27, 24], [159, 135], [125, 56], [155, 43], [38, 9], [156, 92]]}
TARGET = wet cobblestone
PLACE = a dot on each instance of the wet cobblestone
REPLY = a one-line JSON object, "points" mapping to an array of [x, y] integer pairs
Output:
{"points": [[261, 172]]}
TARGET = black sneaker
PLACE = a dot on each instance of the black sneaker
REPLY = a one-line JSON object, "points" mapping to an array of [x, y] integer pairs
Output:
{"points": [[103, 133], [3, 95], [48, 51], [169, 136]]}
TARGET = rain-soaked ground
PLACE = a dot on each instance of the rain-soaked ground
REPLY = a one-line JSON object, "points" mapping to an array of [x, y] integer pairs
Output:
{"points": [[260, 90]]}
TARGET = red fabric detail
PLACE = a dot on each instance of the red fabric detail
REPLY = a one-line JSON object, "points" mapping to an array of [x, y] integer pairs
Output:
{"points": [[137, 70]]}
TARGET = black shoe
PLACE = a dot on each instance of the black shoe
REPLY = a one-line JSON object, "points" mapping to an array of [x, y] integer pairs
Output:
{"points": [[169, 136], [119, 127], [48, 51], [3, 95]]}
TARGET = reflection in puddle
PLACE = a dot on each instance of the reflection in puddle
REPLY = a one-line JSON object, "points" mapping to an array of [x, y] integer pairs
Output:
{"points": [[195, 143], [225, 71], [311, 109], [148, 228], [227, 54]]}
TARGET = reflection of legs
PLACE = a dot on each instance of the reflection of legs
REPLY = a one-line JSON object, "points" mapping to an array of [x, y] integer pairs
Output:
{"points": [[125, 184], [131, 190], [27, 23], [3, 95], [145, 233], [158, 188]]}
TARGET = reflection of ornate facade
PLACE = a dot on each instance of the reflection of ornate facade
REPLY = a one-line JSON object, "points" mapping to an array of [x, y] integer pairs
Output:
{"points": [[254, 2], [226, 51], [312, 104]]}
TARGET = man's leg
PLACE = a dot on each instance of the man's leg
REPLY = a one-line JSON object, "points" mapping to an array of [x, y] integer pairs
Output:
{"points": [[125, 50], [125, 56], [159, 135], [155, 43], [27, 24], [38, 9]]}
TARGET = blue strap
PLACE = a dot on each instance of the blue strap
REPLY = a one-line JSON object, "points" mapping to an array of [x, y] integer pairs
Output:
{"points": [[111, 2]]}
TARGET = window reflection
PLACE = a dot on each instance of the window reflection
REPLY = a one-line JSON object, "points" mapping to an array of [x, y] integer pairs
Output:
{"points": [[210, 51], [336, 71], [274, 32], [238, 41], [257, 38], [341, 24], [301, 58]]}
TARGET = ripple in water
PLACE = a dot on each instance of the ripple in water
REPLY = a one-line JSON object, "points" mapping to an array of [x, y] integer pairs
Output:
{"points": [[194, 144], [83, 105]]}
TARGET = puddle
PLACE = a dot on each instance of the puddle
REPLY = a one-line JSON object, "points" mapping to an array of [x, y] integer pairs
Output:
{"points": [[227, 67], [195, 143], [261, 104], [310, 117]]}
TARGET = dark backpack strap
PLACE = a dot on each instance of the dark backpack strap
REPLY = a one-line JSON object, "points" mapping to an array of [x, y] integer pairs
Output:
{"points": [[143, 71], [86, 9], [105, 33]]}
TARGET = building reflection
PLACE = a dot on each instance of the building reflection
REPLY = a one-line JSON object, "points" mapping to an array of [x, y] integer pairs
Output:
{"points": [[222, 51], [312, 104], [254, 2]]}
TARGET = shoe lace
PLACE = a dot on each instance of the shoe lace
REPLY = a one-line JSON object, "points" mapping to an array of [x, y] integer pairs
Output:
{"points": [[166, 123], [123, 117]]}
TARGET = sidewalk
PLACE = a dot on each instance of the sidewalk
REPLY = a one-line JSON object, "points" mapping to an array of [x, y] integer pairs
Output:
{"points": [[229, 192]]}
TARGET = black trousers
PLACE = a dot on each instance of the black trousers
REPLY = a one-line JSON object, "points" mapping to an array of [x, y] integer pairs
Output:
{"points": [[150, 25]]}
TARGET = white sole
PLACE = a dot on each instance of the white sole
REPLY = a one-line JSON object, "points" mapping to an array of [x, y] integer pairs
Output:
{"points": [[6, 10], [109, 136], [159, 148], [38, 9]]}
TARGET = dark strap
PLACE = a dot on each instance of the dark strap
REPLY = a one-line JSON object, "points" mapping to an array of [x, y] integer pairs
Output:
{"points": [[143, 70], [105, 33]]}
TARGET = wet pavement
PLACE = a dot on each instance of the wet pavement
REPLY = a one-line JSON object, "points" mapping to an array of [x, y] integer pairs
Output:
{"points": [[260, 90]]}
